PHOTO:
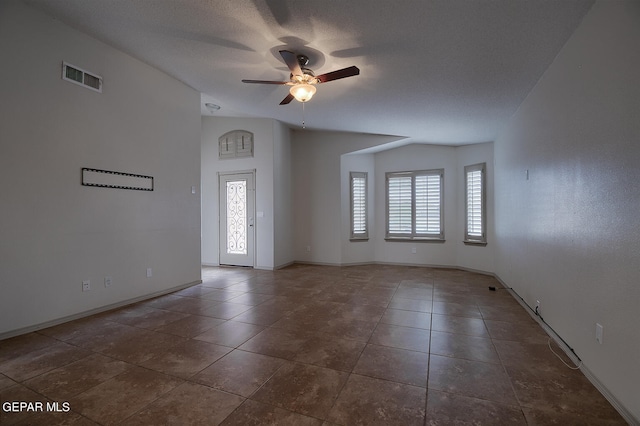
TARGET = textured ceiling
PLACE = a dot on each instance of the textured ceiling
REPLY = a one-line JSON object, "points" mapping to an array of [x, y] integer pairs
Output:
{"points": [[434, 71]]}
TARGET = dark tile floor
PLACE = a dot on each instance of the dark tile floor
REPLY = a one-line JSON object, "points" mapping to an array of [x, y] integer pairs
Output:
{"points": [[306, 345]]}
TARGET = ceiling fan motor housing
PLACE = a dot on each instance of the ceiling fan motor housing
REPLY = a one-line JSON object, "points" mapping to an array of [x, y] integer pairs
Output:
{"points": [[303, 60]]}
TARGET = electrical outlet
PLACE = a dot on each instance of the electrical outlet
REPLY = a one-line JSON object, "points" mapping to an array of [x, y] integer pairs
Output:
{"points": [[149, 273], [86, 285], [107, 281], [308, 248], [599, 333], [413, 250]]}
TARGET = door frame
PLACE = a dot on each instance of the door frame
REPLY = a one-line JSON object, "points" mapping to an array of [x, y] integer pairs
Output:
{"points": [[251, 215]]}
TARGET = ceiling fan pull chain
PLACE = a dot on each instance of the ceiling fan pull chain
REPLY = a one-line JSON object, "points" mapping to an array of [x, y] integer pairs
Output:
{"points": [[303, 126]]}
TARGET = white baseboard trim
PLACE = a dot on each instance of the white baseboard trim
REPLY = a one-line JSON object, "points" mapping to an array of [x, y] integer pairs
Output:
{"points": [[415, 265], [94, 311], [284, 265], [257, 267], [263, 268], [626, 415], [309, 262]]}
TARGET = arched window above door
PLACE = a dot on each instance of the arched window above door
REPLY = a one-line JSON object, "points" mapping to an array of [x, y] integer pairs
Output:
{"points": [[236, 143]]}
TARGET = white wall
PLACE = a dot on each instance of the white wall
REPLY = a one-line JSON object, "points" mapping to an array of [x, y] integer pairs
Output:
{"points": [[318, 197], [282, 196], [419, 157], [322, 162], [570, 236], [272, 163], [55, 233]]}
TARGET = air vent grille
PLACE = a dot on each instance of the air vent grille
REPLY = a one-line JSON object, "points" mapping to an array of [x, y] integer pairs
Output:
{"points": [[76, 75], [73, 74]]}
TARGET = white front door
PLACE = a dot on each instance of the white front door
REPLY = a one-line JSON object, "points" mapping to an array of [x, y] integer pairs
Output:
{"points": [[237, 213]]}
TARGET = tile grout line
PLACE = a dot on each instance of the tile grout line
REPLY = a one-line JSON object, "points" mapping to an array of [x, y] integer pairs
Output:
{"points": [[504, 368], [356, 363], [426, 394]]}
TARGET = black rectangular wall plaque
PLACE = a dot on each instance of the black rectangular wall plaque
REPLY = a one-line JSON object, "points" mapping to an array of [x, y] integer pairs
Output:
{"points": [[109, 179]]}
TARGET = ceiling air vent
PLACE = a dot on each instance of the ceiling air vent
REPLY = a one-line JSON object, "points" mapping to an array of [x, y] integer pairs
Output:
{"points": [[79, 76]]}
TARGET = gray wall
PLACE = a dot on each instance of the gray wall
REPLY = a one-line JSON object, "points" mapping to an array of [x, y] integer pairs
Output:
{"points": [[570, 235], [55, 233]]}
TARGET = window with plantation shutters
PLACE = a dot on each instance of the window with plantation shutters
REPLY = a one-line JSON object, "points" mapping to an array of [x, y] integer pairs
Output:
{"points": [[358, 189], [414, 205], [475, 204]]}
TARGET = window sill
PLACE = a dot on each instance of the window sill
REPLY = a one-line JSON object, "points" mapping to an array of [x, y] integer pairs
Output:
{"points": [[357, 240], [415, 240], [474, 243]]}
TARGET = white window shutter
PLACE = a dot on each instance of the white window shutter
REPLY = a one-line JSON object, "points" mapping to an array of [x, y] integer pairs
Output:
{"points": [[358, 189], [414, 205], [427, 204], [475, 204], [400, 205]]}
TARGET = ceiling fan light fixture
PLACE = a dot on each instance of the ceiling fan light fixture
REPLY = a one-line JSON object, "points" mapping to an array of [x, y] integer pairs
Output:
{"points": [[302, 92]]}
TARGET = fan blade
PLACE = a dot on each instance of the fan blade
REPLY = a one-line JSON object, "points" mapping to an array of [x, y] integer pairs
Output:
{"points": [[264, 82], [286, 100], [291, 60], [336, 75]]}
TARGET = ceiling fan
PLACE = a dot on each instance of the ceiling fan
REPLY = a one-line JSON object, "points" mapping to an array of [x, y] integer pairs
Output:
{"points": [[302, 80]]}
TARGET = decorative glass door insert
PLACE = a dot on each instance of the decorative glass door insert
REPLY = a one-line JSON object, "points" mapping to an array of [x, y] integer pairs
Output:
{"points": [[237, 205], [237, 217]]}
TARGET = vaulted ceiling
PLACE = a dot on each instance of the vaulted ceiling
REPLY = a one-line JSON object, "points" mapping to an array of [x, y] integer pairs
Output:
{"points": [[434, 71]]}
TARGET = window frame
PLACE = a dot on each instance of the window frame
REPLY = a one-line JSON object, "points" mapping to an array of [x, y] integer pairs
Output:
{"points": [[415, 236], [476, 239], [353, 235]]}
